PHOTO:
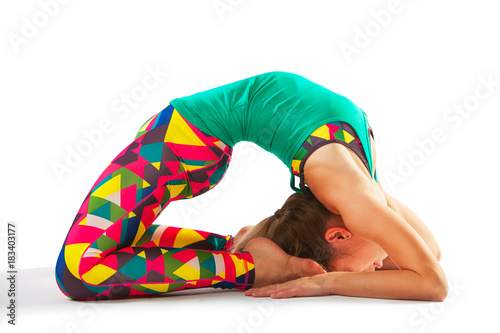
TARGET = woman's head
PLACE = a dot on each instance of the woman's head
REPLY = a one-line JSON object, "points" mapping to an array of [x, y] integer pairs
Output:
{"points": [[304, 228], [298, 228], [358, 254]]}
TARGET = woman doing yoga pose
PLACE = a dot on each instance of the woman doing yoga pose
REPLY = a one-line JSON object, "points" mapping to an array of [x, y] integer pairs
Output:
{"points": [[343, 235]]}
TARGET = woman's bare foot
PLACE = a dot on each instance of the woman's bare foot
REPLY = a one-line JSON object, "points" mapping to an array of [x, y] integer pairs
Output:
{"points": [[273, 265], [239, 236]]}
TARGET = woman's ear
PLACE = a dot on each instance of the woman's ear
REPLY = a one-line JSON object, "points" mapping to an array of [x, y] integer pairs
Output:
{"points": [[337, 234]]}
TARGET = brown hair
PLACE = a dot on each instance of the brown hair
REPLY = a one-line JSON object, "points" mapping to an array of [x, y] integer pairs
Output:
{"points": [[298, 228]]}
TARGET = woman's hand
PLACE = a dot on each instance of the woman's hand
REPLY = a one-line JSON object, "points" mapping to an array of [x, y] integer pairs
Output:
{"points": [[302, 287], [243, 231]]}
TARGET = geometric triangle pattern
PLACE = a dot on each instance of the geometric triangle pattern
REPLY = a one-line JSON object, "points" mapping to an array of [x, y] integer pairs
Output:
{"points": [[337, 131], [113, 249]]}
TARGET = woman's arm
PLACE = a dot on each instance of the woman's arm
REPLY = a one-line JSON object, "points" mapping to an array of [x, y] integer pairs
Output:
{"points": [[409, 216], [337, 182], [416, 223], [396, 284], [420, 276]]}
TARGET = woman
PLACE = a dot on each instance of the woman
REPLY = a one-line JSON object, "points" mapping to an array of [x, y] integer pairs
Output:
{"points": [[113, 250]]}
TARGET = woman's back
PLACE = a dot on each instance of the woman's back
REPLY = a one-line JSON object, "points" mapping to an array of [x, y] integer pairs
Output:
{"points": [[275, 110]]}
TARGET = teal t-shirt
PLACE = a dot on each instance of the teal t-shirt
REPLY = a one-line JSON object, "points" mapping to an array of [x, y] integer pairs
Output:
{"points": [[275, 110]]}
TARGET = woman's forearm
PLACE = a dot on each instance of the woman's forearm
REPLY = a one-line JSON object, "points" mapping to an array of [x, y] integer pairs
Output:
{"points": [[389, 284]]}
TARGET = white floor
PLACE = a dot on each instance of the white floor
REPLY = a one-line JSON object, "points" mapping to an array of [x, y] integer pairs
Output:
{"points": [[43, 308]]}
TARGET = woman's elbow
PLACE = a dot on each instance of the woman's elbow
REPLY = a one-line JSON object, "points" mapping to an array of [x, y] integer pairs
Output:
{"points": [[440, 292], [437, 290]]}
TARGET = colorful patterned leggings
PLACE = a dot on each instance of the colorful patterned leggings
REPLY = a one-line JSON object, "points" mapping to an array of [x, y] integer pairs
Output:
{"points": [[113, 250]]}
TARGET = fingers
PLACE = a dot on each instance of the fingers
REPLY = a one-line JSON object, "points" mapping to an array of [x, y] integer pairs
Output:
{"points": [[303, 287]]}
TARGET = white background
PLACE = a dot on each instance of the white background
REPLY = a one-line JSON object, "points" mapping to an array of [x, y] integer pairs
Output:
{"points": [[67, 67]]}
